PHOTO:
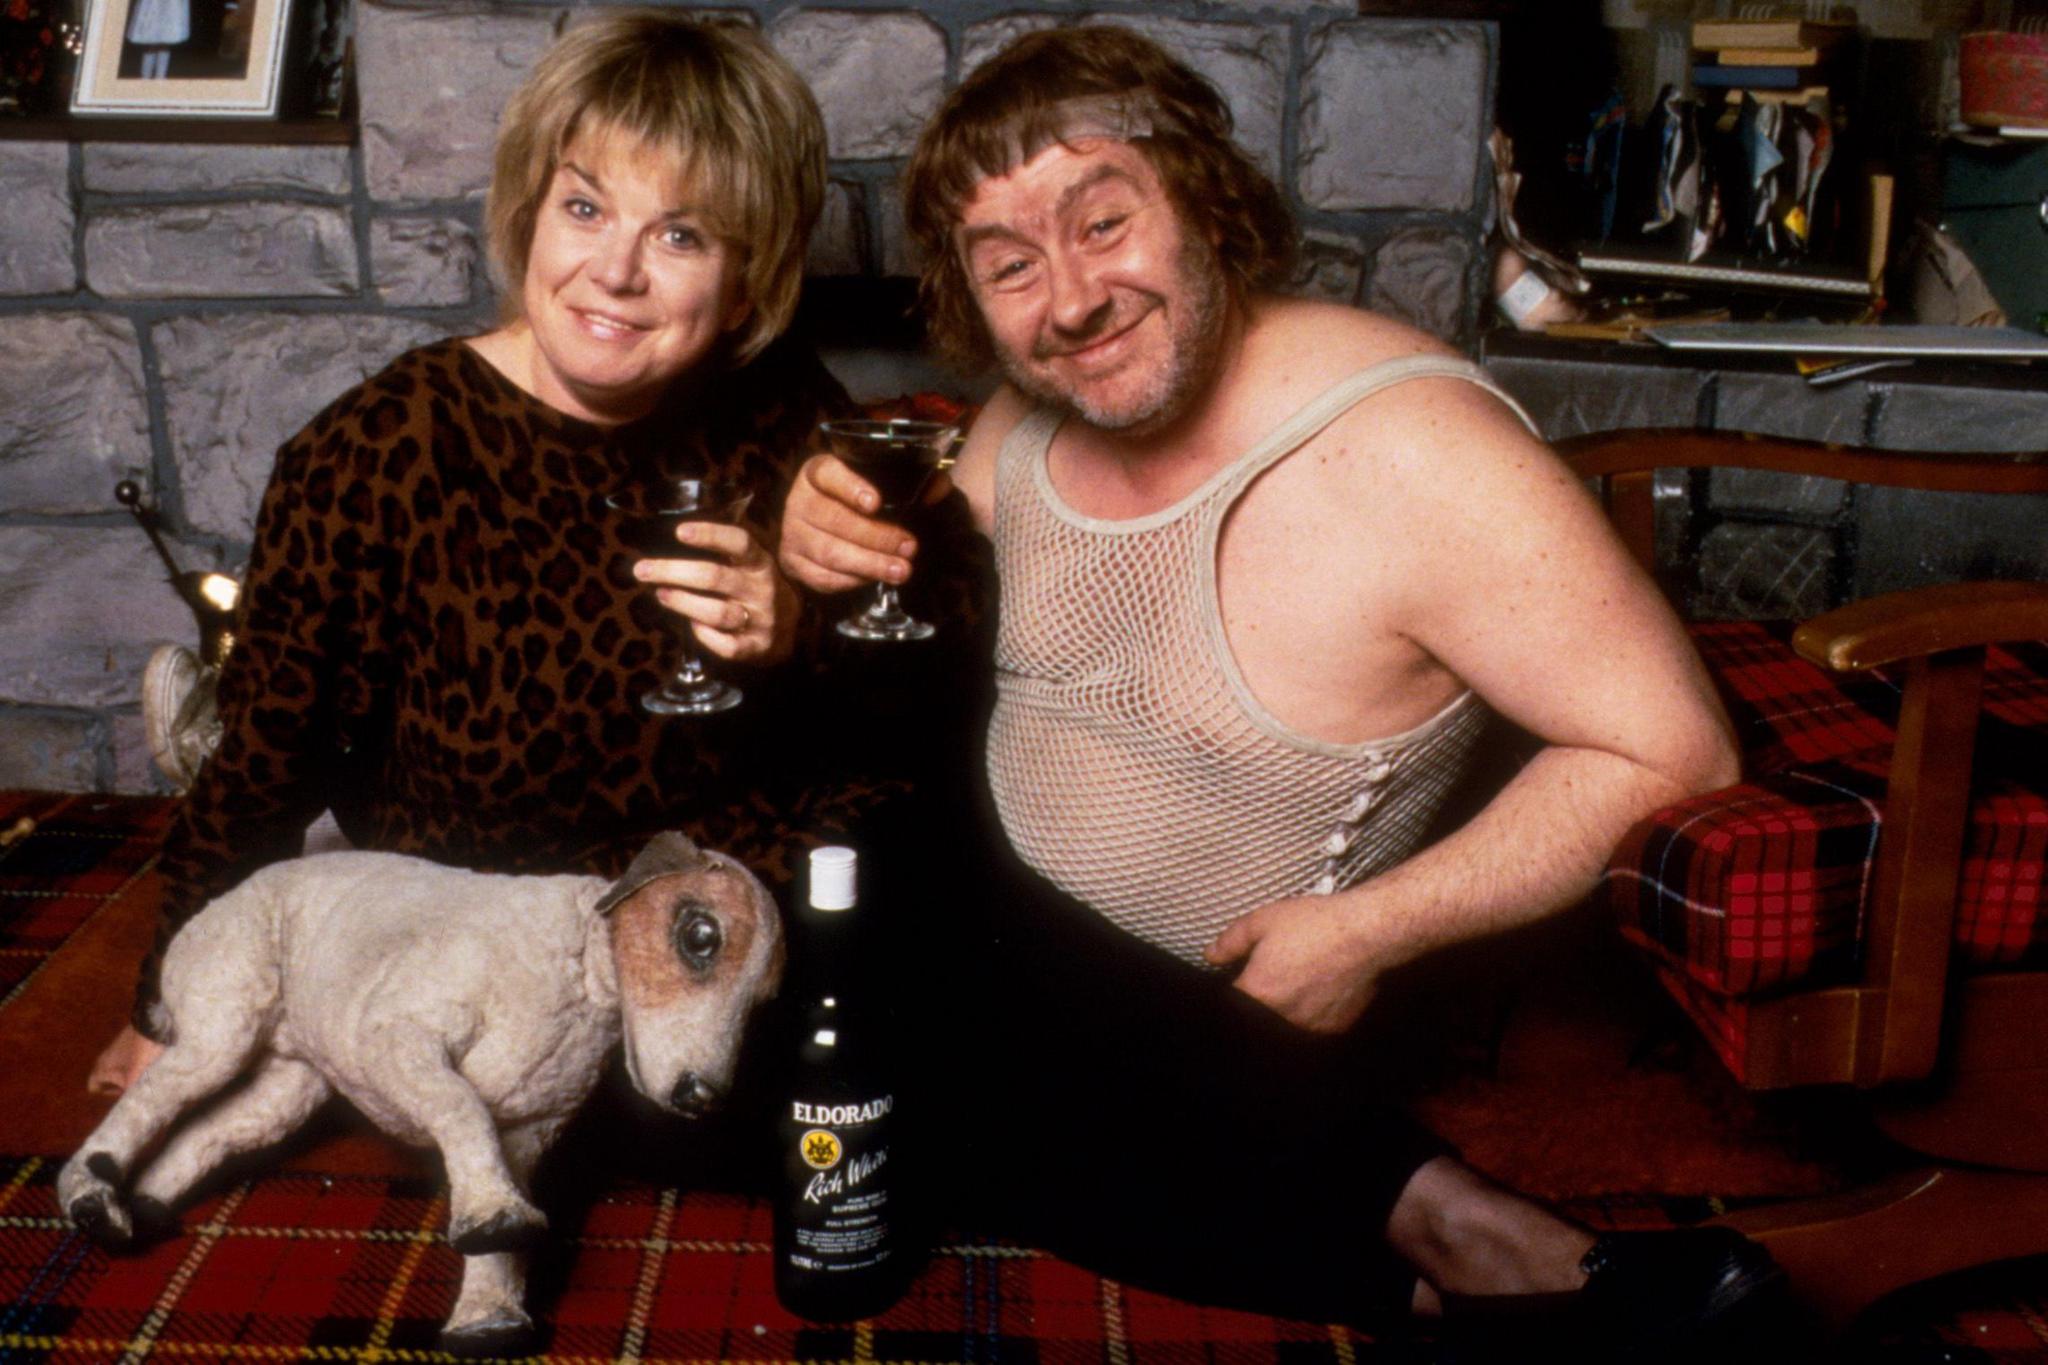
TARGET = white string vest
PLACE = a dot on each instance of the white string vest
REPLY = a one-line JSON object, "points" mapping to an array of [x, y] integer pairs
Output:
{"points": [[1131, 765]]}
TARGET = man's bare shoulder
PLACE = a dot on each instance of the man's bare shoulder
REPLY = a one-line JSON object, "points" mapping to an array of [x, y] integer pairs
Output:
{"points": [[1420, 424], [975, 472], [1302, 339]]}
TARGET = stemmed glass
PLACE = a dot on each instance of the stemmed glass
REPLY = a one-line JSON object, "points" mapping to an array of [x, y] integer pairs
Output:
{"points": [[899, 459], [651, 512]]}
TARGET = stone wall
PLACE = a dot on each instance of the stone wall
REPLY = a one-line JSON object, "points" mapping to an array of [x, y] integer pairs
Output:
{"points": [[171, 313]]}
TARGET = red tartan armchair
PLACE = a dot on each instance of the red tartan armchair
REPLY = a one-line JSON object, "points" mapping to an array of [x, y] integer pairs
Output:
{"points": [[1866, 908]]}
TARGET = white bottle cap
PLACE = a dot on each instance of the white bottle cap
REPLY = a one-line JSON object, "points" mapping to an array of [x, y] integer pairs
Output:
{"points": [[832, 878]]}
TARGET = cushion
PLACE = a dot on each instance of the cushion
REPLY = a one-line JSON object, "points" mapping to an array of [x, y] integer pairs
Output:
{"points": [[1762, 886]]}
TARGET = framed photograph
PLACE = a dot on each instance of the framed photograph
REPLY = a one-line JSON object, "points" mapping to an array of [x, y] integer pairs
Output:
{"points": [[182, 58]]}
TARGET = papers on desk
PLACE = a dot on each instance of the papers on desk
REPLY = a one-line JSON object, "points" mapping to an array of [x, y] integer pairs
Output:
{"points": [[1812, 338]]}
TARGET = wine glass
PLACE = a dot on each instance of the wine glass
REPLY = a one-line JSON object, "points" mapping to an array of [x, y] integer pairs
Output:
{"points": [[651, 512], [898, 458]]}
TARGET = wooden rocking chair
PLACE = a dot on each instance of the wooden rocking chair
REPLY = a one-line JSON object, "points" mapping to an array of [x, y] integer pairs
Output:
{"points": [[1909, 979]]}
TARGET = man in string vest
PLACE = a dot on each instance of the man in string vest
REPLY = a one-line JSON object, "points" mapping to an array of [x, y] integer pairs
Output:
{"points": [[1266, 565]]}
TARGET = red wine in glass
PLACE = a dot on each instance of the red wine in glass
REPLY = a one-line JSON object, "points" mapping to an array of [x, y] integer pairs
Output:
{"points": [[649, 515], [899, 458]]}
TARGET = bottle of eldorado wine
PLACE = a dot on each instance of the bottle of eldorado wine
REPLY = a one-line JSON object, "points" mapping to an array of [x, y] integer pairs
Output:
{"points": [[840, 1250]]}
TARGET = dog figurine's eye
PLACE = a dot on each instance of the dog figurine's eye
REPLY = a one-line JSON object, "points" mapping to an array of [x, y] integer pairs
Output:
{"points": [[698, 937]]}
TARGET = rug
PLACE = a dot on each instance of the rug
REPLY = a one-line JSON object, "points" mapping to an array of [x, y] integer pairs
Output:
{"points": [[336, 1253]]}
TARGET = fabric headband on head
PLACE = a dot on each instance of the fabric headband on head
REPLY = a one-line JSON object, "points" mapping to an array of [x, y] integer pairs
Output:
{"points": [[1121, 118]]}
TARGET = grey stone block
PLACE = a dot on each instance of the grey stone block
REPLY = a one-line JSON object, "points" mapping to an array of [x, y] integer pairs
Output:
{"points": [[135, 773], [425, 262], [237, 387], [1907, 538], [251, 250], [431, 84], [1765, 492], [74, 419], [1246, 62], [892, 235], [1749, 571], [1419, 276], [1331, 266], [1786, 405], [35, 250], [835, 242], [984, 40], [877, 74], [80, 610], [154, 168], [1393, 115], [1954, 418], [50, 750], [1567, 398]]}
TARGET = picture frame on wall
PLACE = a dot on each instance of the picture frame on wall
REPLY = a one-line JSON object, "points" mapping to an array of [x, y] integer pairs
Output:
{"points": [[183, 58]]}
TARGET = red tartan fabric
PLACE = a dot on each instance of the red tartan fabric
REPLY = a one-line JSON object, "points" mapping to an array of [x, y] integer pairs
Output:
{"points": [[61, 857], [1762, 885], [310, 1265]]}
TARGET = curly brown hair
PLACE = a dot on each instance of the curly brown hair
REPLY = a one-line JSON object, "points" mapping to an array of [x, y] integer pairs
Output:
{"points": [[1015, 101]]}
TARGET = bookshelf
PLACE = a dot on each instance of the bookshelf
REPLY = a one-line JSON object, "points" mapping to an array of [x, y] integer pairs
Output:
{"points": [[1792, 61]]}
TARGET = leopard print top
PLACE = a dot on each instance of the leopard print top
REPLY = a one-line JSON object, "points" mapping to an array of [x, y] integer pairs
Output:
{"points": [[441, 639]]}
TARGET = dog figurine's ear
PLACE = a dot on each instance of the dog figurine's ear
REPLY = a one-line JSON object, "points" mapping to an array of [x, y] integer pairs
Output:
{"points": [[664, 856]]}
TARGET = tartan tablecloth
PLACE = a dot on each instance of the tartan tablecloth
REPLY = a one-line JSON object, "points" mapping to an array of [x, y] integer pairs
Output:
{"points": [[307, 1266], [339, 1254]]}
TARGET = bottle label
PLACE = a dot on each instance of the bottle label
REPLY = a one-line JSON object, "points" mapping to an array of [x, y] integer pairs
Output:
{"points": [[837, 1163]]}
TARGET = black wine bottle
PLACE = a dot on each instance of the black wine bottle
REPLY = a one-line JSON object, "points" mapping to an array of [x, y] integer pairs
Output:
{"points": [[840, 1251]]}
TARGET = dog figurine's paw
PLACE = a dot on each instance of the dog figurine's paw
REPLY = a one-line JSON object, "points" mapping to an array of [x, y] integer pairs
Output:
{"points": [[86, 1193], [508, 1333]]}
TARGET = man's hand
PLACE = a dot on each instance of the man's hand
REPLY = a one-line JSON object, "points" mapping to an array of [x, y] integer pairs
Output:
{"points": [[124, 1059], [831, 539], [1306, 960]]}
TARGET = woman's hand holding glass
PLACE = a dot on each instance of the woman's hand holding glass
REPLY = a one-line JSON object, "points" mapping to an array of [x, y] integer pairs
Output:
{"points": [[739, 606], [707, 568]]}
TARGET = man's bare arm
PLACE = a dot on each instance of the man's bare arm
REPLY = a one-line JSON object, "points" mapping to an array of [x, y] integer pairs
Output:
{"points": [[1518, 587]]}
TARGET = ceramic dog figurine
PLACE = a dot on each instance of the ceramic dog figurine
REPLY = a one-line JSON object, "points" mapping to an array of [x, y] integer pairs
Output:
{"points": [[465, 1011]]}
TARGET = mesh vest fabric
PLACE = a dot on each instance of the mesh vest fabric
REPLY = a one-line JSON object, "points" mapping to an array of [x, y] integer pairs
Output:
{"points": [[1130, 764]]}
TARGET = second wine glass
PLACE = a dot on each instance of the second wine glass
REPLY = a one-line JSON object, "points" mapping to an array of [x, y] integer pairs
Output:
{"points": [[649, 514], [899, 459]]}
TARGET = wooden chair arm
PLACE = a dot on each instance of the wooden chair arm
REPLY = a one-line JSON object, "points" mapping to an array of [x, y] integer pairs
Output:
{"points": [[1939, 634], [1602, 454], [1920, 621], [1622, 465]]}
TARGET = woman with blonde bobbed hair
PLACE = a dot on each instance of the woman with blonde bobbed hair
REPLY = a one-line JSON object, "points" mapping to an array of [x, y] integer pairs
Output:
{"points": [[443, 636]]}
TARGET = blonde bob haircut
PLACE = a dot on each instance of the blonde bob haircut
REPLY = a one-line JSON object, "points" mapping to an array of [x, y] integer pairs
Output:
{"points": [[737, 125]]}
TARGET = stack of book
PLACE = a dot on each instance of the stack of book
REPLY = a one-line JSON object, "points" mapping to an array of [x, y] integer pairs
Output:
{"points": [[1771, 60]]}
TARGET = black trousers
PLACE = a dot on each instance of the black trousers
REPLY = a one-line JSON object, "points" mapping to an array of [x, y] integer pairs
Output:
{"points": [[1082, 1091]]}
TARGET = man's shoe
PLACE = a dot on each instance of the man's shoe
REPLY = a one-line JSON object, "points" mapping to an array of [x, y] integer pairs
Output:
{"points": [[1709, 1291], [1691, 1294]]}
